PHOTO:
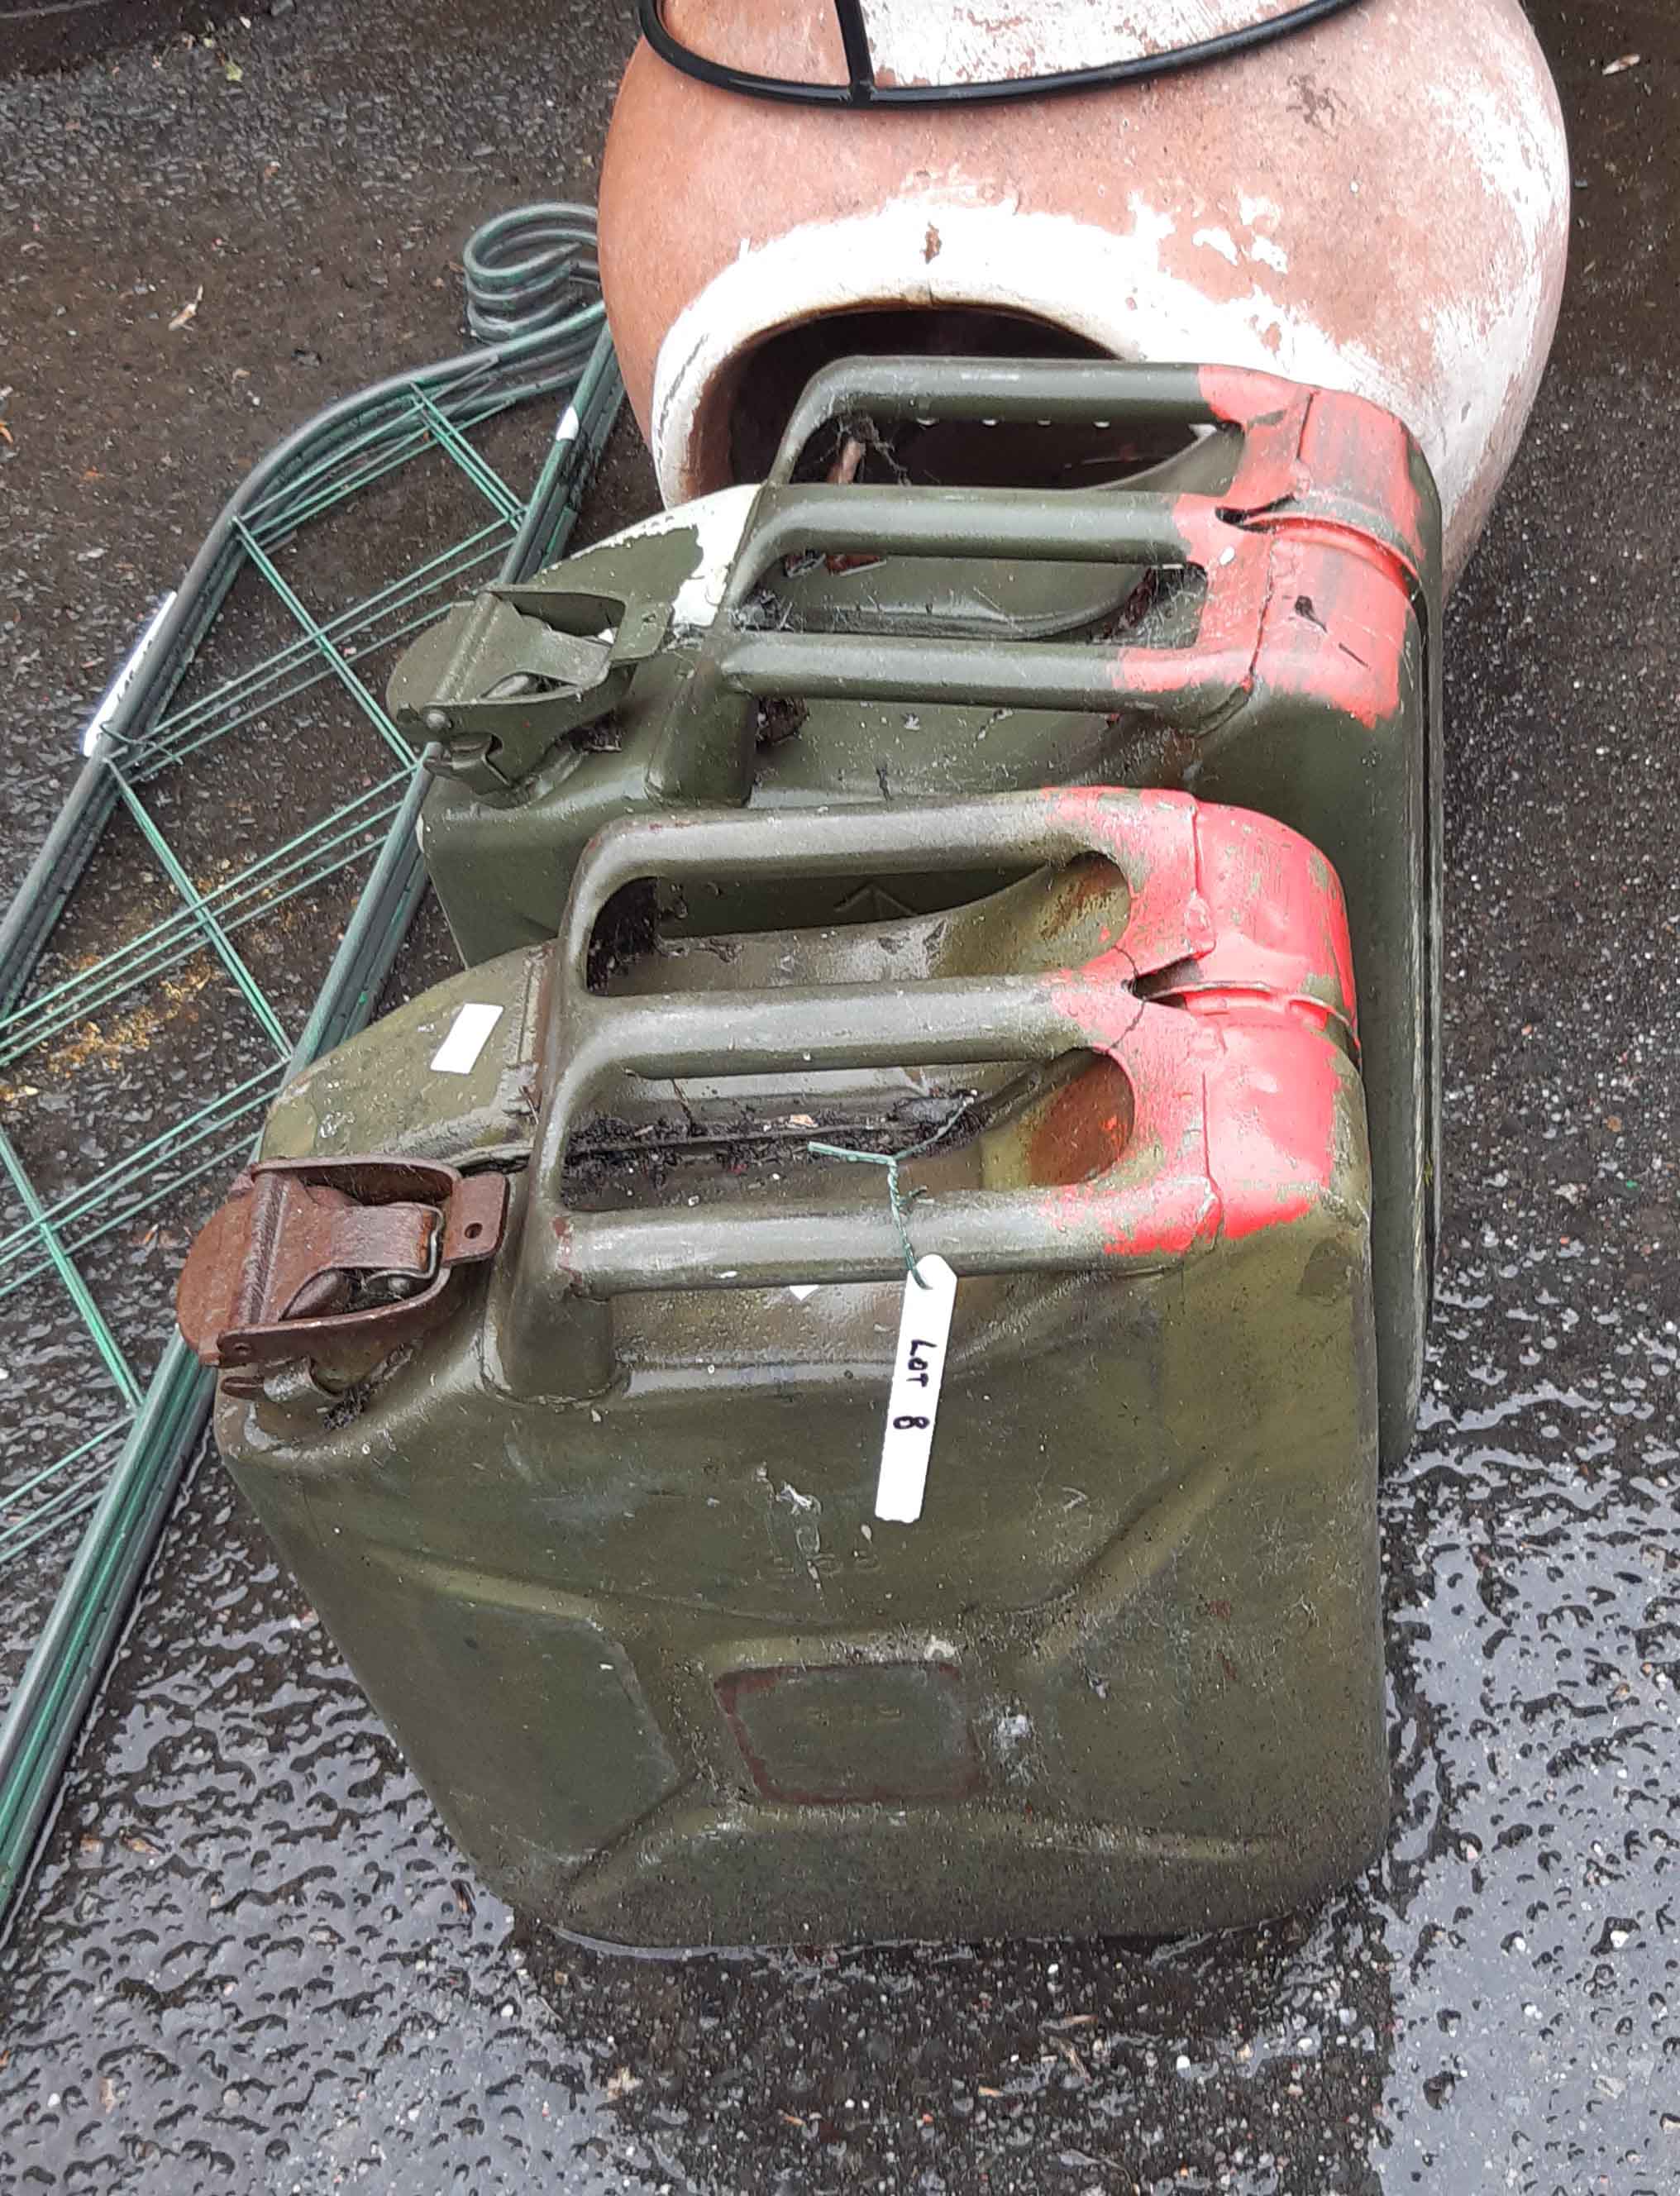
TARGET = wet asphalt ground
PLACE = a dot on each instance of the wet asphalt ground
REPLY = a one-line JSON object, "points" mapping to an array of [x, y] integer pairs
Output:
{"points": [[252, 1959]]}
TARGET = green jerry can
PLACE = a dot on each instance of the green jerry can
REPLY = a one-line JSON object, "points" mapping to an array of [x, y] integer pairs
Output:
{"points": [[726, 1581], [1253, 619]]}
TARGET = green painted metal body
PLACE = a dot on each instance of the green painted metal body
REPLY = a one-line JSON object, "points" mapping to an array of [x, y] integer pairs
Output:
{"points": [[991, 638], [601, 1547]]}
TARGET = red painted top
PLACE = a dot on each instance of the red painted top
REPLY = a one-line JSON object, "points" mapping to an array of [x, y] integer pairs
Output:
{"points": [[1228, 1005], [1312, 555]]}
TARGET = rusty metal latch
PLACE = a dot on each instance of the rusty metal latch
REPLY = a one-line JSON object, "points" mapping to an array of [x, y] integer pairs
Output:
{"points": [[309, 1256]]}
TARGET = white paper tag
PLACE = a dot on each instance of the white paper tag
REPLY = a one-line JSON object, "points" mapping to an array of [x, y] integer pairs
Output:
{"points": [[913, 1405], [469, 1034]]}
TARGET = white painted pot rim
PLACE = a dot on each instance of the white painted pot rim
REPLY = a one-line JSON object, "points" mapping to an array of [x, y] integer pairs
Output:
{"points": [[1106, 285]]}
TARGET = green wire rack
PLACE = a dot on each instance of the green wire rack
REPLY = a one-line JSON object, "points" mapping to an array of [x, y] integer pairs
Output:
{"points": [[123, 1469], [213, 1137]]}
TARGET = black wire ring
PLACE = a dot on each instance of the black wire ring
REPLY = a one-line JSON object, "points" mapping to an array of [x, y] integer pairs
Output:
{"points": [[862, 90]]}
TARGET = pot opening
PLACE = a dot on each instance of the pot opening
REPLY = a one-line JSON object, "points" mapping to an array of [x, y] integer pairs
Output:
{"points": [[758, 398]]}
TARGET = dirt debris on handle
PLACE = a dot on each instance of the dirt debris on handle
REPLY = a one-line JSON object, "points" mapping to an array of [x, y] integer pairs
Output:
{"points": [[603, 1545], [1254, 618]]}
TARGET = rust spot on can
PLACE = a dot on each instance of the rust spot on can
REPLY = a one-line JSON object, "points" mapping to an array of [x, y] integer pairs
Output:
{"points": [[1084, 1128]]}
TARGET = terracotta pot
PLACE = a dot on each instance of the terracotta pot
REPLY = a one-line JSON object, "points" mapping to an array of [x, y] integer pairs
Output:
{"points": [[1381, 204]]}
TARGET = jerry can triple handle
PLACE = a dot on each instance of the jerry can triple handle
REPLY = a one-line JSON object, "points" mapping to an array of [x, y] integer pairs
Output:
{"points": [[1158, 1212], [1157, 1201], [1331, 465]]}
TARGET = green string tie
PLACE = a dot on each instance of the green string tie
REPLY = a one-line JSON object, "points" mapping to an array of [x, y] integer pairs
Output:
{"points": [[892, 1161]]}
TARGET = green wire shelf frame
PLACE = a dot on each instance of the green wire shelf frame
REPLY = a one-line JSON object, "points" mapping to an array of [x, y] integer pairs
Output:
{"points": [[124, 1472]]}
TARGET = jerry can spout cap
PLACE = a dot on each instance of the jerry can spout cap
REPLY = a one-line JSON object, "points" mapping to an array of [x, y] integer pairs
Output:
{"points": [[310, 1255]]}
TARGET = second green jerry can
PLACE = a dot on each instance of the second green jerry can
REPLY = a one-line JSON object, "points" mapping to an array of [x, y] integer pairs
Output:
{"points": [[817, 1432], [1253, 618]]}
